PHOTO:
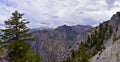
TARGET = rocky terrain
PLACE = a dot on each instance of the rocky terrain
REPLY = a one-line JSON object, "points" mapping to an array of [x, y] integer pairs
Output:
{"points": [[52, 44], [4, 58], [111, 53], [102, 42]]}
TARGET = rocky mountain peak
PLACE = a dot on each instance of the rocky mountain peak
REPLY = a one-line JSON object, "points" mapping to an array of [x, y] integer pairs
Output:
{"points": [[63, 28], [76, 28], [116, 16], [115, 19]]}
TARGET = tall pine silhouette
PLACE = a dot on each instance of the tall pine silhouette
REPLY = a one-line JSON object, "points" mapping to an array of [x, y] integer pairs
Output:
{"points": [[16, 28], [15, 38]]}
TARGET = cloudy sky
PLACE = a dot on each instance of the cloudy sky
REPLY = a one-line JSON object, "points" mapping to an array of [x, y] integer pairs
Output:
{"points": [[53, 13]]}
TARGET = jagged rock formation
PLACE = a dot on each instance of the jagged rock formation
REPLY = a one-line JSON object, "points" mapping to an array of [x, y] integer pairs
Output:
{"points": [[111, 53], [52, 44]]}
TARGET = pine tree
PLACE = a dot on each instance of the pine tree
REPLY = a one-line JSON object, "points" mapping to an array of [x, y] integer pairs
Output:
{"points": [[16, 28], [15, 38]]}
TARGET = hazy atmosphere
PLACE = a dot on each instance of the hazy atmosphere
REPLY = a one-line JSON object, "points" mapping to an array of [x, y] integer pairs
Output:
{"points": [[53, 13]]}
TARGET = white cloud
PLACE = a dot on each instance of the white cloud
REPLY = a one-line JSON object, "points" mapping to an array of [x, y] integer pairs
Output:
{"points": [[53, 13]]}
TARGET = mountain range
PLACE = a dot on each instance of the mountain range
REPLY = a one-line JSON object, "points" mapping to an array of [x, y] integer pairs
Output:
{"points": [[56, 45], [51, 43]]}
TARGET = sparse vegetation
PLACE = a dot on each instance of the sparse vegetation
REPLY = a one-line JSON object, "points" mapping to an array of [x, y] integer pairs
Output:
{"points": [[94, 43]]}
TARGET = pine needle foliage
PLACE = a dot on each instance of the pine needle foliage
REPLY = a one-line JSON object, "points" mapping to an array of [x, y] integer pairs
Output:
{"points": [[15, 37]]}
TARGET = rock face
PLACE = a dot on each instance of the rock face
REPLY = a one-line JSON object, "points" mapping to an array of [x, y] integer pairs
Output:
{"points": [[115, 19], [111, 53], [54, 45], [4, 58]]}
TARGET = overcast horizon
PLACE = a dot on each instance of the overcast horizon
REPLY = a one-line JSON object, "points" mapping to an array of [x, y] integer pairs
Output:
{"points": [[54, 13]]}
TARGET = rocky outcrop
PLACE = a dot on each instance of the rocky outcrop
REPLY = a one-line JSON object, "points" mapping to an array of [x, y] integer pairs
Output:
{"points": [[4, 58], [111, 53]]}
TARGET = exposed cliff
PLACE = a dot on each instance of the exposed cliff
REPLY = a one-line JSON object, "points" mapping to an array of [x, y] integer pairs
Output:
{"points": [[111, 53]]}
